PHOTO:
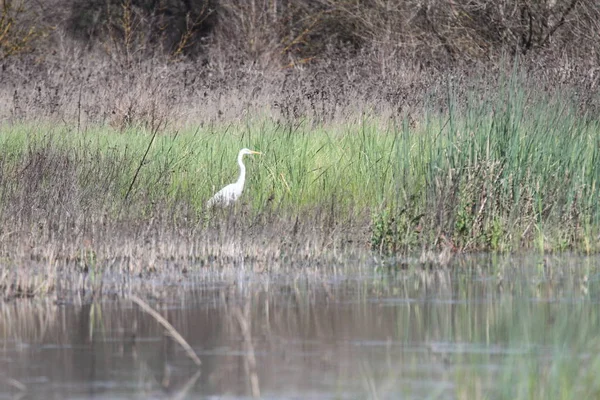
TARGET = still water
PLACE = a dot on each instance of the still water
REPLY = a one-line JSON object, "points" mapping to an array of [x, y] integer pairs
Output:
{"points": [[484, 327]]}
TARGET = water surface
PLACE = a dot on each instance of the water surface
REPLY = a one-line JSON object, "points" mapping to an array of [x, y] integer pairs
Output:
{"points": [[485, 327]]}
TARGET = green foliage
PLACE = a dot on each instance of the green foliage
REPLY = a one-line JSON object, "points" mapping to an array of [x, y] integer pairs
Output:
{"points": [[382, 233], [395, 232], [495, 235], [463, 224]]}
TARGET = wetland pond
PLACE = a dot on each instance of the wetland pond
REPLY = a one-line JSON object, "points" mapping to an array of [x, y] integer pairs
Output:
{"points": [[484, 327]]}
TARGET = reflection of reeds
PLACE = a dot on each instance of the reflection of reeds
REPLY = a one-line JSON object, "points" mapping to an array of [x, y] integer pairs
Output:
{"points": [[183, 392], [250, 359], [30, 321]]}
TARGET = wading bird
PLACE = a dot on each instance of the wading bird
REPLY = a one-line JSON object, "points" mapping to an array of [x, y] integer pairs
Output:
{"points": [[230, 193]]}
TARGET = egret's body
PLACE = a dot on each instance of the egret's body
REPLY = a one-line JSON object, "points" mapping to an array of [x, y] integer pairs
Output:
{"points": [[230, 193]]}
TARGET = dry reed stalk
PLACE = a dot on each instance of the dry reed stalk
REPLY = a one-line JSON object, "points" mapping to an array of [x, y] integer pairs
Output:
{"points": [[250, 358], [167, 325]]}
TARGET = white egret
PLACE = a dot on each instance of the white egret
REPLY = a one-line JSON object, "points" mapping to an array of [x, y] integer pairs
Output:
{"points": [[230, 193]]}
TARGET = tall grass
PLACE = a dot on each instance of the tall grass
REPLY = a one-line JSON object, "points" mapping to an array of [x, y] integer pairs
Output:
{"points": [[510, 170]]}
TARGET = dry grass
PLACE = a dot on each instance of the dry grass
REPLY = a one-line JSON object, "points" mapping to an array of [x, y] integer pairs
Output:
{"points": [[127, 64], [90, 91]]}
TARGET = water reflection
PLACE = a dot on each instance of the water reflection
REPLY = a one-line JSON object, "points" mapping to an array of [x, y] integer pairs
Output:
{"points": [[476, 329]]}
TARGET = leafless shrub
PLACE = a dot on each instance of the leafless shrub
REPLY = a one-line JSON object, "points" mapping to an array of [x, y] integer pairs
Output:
{"points": [[20, 28], [129, 30], [280, 33]]}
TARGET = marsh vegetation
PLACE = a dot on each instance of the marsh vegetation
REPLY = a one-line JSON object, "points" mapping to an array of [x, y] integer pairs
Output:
{"points": [[423, 222], [512, 170]]}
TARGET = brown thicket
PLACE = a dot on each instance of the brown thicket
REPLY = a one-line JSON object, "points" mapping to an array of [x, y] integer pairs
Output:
{"points": [[289, 33]]}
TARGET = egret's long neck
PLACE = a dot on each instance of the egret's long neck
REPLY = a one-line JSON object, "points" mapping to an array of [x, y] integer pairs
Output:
{"points": [[242, 177]]}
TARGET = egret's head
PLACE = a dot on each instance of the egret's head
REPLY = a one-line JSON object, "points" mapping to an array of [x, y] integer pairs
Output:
{"points": [[248, 151]]}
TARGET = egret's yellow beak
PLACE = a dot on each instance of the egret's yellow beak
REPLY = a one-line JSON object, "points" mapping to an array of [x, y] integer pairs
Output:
{"points": [[256, 152]]}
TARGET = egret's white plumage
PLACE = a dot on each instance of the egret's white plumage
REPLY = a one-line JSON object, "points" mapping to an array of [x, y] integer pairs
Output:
{"points": [[230, 193]]}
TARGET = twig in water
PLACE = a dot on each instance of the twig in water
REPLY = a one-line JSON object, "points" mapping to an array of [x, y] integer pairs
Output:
{"points": [[17, 385], [184, 391], [167, 325], [250, 358]]}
